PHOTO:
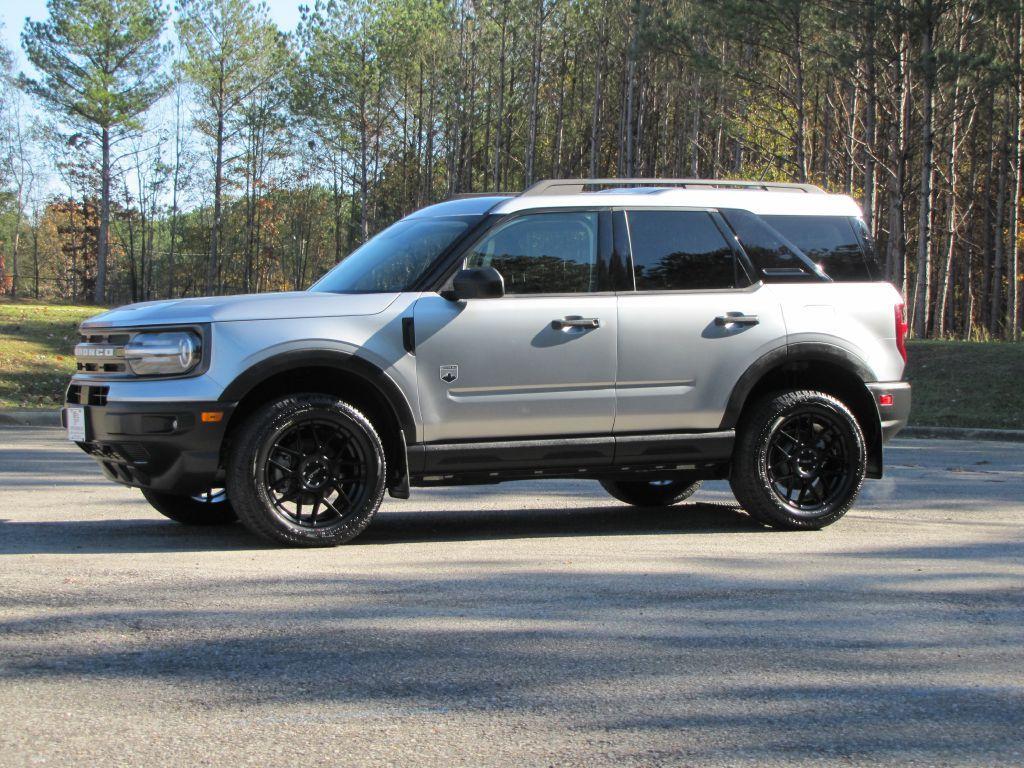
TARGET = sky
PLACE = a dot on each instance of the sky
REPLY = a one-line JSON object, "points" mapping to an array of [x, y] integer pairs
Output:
{"points": [[285, 14], [13, 13]]}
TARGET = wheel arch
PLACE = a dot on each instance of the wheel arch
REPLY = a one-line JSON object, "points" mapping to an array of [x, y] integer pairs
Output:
{"points": [[358, 381], [823, 367]]}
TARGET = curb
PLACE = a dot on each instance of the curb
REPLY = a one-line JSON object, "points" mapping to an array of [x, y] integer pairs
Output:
{"points": [[963, 433], [30, 419]]}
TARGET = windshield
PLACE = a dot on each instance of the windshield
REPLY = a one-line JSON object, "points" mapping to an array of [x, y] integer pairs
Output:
{"points": [[394, 259]]}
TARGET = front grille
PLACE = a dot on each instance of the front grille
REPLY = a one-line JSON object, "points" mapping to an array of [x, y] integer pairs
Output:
{"points": [[83, 394], [114, 342]]}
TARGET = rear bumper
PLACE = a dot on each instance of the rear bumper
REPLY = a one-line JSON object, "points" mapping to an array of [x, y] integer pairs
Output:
{"points": [[893, 417], [165, 446]]}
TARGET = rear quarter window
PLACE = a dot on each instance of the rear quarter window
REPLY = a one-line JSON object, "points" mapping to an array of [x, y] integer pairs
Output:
{"points": [[832, 242]]}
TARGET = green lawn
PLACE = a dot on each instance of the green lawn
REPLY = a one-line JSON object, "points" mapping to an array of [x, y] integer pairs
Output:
{"points": [[956, 383], [967, 384], [36, 342]]}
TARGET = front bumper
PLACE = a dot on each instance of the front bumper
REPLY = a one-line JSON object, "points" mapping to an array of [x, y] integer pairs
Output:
{"points": [[893, 417], [165, 446]]}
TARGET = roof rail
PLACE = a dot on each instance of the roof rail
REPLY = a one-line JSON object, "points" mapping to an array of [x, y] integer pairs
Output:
{"points": [[575, 186], [471, 195]]}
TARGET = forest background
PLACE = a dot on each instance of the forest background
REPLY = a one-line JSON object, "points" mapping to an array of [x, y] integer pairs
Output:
{"points": [[149, 151]]}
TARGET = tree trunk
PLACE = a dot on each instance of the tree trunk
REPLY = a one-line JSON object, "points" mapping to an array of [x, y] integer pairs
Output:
{"points": [[1013, 318], [100, 294], [870, 108], [595, 115], [996, 309], [531, 143], [218, 172], [946, 268], [499, 124], [922, 291]]}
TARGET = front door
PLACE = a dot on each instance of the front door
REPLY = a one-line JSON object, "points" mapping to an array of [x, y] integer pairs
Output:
{"points": [[538, 362], [692, 326]]}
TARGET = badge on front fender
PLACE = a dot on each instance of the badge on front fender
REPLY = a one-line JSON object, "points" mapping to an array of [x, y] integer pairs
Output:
{"points": [[449, 373]]}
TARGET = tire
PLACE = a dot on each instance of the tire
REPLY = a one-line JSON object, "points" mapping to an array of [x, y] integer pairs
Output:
{"points": [[651, 493], [307, 470], [212, 508], [799, 460]]}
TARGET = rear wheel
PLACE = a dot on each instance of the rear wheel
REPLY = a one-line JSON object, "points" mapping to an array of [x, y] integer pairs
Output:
{"points": [[799, 461], [307, 470], [209, 508], [651, 493]]}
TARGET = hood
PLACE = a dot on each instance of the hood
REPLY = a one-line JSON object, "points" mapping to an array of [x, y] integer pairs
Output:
{"points": [[256, 306]]}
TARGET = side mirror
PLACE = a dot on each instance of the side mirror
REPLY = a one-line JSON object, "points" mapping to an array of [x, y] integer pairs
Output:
{"points": [[476, 283]]}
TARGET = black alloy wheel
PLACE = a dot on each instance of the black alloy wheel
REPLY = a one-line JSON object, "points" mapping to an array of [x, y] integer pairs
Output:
{"points": [[808, 461], [314, 473], [307, 470], [799, 460]]}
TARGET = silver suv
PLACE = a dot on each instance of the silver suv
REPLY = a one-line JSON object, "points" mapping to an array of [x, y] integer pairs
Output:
{"points": [[648, 334]]}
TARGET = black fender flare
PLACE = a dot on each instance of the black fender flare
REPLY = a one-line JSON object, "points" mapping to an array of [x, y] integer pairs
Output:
{"points": [[259, 372], [352, 365], [808, 351]]}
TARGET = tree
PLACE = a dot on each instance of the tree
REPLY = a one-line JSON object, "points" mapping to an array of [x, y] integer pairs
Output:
{"points": [[100, 69], [226, 45]]}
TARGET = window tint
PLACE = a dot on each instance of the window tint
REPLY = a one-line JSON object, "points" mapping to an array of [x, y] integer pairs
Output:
{"points": [[829, 241], [679, 250], [773, 256], [395, 258], [543, 253]]}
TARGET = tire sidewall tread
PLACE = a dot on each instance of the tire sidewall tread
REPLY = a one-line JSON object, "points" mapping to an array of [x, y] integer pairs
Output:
{"points": [[748, 478], [251, 502]]}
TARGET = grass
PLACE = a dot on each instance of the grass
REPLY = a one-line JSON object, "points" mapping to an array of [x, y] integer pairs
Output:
{"points": [[36, 359], [956, 383], [967, 384]]}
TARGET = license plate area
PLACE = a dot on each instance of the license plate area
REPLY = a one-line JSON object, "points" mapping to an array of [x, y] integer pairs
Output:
{"points": [[75, 419]]}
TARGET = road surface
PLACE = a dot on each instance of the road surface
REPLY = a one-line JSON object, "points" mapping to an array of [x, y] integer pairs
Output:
{"points": [[525, 624]]}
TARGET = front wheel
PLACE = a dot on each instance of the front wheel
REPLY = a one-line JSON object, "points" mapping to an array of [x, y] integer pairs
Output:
{"points": [[651, 493], [306, 470], [210, 508], [799, 460]]}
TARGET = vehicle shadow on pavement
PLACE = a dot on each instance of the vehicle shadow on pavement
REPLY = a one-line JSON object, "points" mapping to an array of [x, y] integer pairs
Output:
{"points": [[395, 527], [703, 664], [157, 535]]}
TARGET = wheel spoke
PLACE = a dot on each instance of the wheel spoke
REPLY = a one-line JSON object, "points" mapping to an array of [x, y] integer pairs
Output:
{"points": [[282, 467], [331, 506]]}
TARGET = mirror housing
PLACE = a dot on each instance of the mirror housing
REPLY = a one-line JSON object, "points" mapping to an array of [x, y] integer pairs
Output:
{"points": [[476, 283]]}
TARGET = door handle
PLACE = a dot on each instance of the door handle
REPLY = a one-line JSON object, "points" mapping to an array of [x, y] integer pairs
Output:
{"points": [[737, 319], [575, 322]]}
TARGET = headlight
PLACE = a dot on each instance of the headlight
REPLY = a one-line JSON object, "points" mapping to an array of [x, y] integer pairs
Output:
{"points": [[163, 353]]}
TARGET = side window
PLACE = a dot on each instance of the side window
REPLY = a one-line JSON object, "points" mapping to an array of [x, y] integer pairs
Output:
{"points": [[773, 256], [543, 253], [680, 251], [829, 241]]}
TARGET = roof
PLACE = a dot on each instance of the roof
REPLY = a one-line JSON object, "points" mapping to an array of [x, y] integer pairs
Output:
{"points": [[763, 202], [764, 198]]}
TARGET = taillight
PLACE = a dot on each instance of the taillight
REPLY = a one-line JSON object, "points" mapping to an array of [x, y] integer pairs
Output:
{"points": [[901, 330]]}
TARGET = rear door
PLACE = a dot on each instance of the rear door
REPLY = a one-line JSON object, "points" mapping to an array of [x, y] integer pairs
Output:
{"points": [[538, 362], [692, 324]]}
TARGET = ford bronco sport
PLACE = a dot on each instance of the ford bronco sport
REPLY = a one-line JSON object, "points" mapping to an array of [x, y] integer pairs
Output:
{"points": [[647, 334]]}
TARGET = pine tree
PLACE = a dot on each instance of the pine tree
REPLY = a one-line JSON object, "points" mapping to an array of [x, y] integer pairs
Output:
{"points": [[100, 68]]}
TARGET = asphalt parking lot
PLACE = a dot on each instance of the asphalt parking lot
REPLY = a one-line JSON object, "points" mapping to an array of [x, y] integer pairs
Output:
{"points": [[524, 625]]}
